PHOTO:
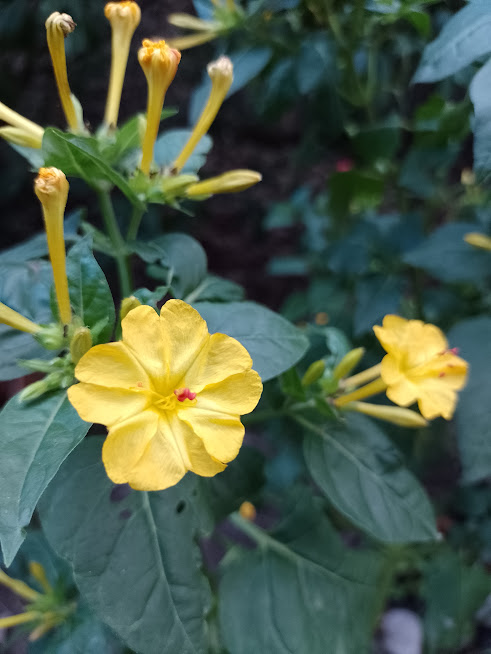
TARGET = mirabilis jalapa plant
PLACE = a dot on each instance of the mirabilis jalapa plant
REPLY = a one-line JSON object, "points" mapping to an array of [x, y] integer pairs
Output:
{"points": [[171, 387]]}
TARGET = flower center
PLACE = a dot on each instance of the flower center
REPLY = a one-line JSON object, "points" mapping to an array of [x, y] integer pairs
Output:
{"points": [[169, 402]]}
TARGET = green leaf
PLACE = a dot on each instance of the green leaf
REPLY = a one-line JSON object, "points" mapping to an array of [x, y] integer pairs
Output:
{"points": [[274, 344], [353, 191], [424, 168], [473, 416], [361, 472], [90, 295], [35, 440], [169, 145], [376, 296], [78, 157], [301, 590], [133, 553], [446, 256], [481, 126], [216, 289], [183, 258], [464, 38], [449, 615], [291, 384], [24, 287], [380, 141]]}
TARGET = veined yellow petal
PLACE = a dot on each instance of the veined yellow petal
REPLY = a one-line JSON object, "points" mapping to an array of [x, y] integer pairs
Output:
{"points": [[403, 392], [437, 401], [221, 357], [112, 365], [222, 434], [236, 395], [142, 334], [105, 405]]}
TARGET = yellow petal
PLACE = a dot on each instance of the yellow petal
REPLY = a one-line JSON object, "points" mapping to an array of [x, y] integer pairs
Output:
{"points": [[236, 395], [392, 333], [390, 370], [446, 370], [184, 335], [221, 433], [437, 401], [423, 343], [112, 365], [201, 461], [403, 393], [142, 334], [221, 357], [105, 405]]}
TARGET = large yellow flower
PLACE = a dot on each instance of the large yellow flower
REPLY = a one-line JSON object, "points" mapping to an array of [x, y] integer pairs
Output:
{"points": [[170, 394], [419, 366]]}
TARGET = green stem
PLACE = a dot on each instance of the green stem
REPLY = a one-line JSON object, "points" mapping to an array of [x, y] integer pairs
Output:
{"points": [[114, 233], [261, 537], [135, 223]]}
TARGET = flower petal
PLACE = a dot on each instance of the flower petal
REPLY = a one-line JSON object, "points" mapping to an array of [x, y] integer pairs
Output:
{"points": [[392, 333], [221, 433], [221, 357], [111, 365], [236, 395], [184, 335], [437, 401], [105, 405], [142, 334], [403, 392]]}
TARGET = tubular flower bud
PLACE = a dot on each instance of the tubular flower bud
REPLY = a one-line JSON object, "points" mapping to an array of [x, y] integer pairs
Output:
{"points": [[80, 344], [159, 63], [39, 574], [221, 75], [19, 136], [58, 26], [127, 305], [247, 510], [51, 187], [350, 360], [27, 127], [231, 182], [478, 240], [124, 18], [205, 30], [313, 373], [394, 414], [13, 319]]}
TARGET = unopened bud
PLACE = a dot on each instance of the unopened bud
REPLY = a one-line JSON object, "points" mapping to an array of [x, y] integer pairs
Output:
{"points": [[231, 182], [248, 511], [36, 390], [51, 337], [80, 344], [478, 240], [394, 414], [314, 372], [350, 360], [21, 137], [177, 185], [58, 26], [127, 305]]}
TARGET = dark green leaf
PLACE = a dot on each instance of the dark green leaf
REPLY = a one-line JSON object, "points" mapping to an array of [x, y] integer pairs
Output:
{"points": [[274, 344], [169, 145], [35, 440], [363, 475], [133, 553], [90, 295], [78, 157], [301, 591], [376, 296], [464, 38], [473, 338], [353, 191], [424, 167], [291, 384], [481, 125], [216, 289], [379, 141]]}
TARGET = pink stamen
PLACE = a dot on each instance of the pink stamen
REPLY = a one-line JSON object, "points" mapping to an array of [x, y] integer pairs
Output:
{"points": [[442, 374], [184, 394]]}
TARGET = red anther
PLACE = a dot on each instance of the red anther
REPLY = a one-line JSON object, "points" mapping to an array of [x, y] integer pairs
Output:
{"points": [[140, 384], [184, 394], [442, 374], [454, 350], [344, 165]]}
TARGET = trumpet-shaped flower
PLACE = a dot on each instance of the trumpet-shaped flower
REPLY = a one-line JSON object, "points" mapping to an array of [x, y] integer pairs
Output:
{"points": [[159, 63], [124, 18], [58, 26], [420, 367], [170, 394]]}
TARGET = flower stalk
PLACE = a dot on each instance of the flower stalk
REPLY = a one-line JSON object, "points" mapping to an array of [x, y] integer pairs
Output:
{"points": [[58, 26]]}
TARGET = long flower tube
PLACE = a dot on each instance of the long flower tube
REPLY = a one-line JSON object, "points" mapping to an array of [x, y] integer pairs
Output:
{"points": [[15, 320], [231, 182], [58, 26], [51, 187], [159, 63], [25, 128], [124, 18], [221, 73]]}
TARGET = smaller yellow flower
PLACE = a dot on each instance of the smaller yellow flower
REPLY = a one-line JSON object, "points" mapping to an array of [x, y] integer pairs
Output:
{"points": [[221, 73], [170, 394], [51, 187], [13, 319], [159, 63], [20, 131], [124, 18], [478, 240], [231, 182], [419, 366], [58, 26]]}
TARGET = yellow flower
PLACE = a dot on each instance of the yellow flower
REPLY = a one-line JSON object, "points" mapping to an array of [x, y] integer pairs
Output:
{"points": [[58, 26], [170, 394], [159, 63], [51, 188], [124, 18], [420, 367]]}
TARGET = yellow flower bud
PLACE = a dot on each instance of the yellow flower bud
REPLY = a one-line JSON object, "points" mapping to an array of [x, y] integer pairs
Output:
{"points": [[127, 305], [51, 187], [13, 319], [221, 75], [58, 26], [19, 587], [80, 344], [231, 182], [478, 240], [394, 414], [467, 177], [176, 185], [248, 511], [39, 574], [159, 63], [26, 127], [124, 18], [313, 373], [187, 21], [350, 360]]}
